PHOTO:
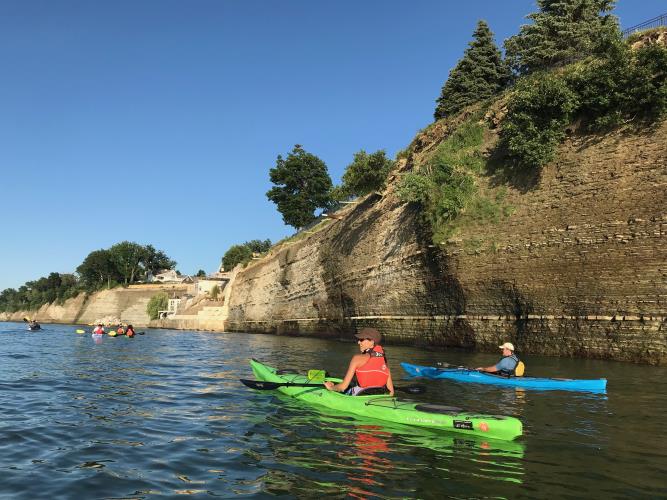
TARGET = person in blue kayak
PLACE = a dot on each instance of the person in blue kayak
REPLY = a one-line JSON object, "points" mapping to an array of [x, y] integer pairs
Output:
{"points": [[508, 366], [368, 372]]}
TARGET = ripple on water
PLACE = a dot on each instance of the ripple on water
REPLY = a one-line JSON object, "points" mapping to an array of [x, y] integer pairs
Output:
{"points": [[165, 415]]}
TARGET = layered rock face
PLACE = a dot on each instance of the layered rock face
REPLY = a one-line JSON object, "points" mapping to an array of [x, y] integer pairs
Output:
{"points": [[579, 268]]}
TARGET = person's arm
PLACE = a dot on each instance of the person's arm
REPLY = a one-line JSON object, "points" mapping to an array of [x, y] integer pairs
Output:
{"points": [[340, 387], [489, 369], [390, 383]]}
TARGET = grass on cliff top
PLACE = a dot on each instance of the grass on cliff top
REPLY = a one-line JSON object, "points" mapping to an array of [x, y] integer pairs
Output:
{"points": [[290, 240]]}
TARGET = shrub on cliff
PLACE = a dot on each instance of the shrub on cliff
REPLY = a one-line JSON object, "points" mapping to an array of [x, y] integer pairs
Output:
{"points": [[366, 173], [480, 74], [540, 108], [302, 185], [237, 254], [157, 303], [621, 86], [242, 254], [625, 85]]}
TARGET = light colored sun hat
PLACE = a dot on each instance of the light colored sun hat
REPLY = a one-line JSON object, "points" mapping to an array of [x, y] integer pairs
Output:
{"points": [[507, 345]]}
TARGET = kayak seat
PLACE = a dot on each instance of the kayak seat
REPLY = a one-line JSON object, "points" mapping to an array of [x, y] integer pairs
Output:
{"points": [[372, 391], [438, 409]]}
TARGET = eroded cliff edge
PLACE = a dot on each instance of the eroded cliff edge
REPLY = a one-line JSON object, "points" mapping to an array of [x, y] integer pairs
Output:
{"points": [[578, 269]]}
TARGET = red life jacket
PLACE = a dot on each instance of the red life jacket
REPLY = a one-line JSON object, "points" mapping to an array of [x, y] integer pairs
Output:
{"points": [[374, 372]]}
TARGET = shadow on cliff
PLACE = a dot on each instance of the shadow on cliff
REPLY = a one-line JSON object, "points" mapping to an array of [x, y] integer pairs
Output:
{"points": [[503, 172], [512, 302]]}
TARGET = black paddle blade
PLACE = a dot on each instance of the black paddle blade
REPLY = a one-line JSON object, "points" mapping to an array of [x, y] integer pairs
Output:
{"points": [[258, 384], [263, 385]]}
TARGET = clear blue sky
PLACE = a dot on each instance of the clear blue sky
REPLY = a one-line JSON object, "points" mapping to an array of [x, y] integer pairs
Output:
{"points": [[157, 121]]}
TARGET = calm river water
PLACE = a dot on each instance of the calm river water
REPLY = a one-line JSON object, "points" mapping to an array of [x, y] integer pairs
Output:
{"points": [[164, 415]]}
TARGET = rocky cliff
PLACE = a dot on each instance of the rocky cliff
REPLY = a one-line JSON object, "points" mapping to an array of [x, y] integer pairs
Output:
{"points": [[127, 304], [578, 269]]}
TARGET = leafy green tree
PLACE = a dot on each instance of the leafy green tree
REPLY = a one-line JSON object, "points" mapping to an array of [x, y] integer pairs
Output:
{"points": [[154, 260], [302, 185], [98, 269], [128, 256], [366, 173], [480, 74], [158, 302], [236, 254], [562, 30], [201, 274], [258, 246]]}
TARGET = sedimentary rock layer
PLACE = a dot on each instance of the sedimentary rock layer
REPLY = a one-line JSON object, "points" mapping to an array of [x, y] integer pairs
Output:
{"points": [[579, 268]]}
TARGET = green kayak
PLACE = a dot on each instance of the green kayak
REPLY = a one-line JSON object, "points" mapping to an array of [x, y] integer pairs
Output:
{"points": [[390, 408]]}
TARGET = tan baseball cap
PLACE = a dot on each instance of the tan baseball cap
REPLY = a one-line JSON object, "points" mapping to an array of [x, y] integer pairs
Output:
{"points": [[507, 345]]}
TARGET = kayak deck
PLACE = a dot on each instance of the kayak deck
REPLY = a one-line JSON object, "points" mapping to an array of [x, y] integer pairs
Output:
{"points": [[474, 376], [391, 409]]}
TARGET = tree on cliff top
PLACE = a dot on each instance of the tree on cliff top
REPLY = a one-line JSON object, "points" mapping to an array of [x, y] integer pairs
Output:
{"points": [[562, 31], [302, 185], [241, 254], [480, 74], [98, 270], [366, 173]]}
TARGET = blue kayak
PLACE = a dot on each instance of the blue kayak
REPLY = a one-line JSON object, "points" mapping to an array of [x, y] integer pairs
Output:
{"points": [[545, 384]]}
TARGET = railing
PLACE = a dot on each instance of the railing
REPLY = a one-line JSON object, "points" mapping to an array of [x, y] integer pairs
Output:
{"points": [[651, 23]]}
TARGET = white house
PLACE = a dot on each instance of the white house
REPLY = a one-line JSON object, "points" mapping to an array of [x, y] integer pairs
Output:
{"points": [[167, 276]]}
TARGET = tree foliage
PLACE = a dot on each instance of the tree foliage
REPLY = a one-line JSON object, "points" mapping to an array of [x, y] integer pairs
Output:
{"points": [[562, 31], [98, 269], [242, 253], [125, 262], [157, 303], [302, 185], [540, 109], [366, 173], [480, 74], [55, 287], [621, 86]]}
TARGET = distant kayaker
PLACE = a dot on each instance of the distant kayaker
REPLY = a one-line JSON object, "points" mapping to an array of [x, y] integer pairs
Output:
{"points": [[129, 331], [99, 330], [368, 370], [120, 330], [508, 366]]}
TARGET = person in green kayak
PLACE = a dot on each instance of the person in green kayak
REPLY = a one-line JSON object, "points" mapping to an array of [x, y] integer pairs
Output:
{"points": [[368, 371], [508, 366]]}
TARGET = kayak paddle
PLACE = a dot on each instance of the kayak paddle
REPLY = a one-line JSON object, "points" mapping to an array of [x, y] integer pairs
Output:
{"points": [[447, 365], [81, 331], [270, 386]]}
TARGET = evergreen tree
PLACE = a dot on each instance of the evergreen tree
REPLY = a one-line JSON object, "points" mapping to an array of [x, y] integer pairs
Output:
{"points": [[302, 185], [562, 31], [480, 74]]}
